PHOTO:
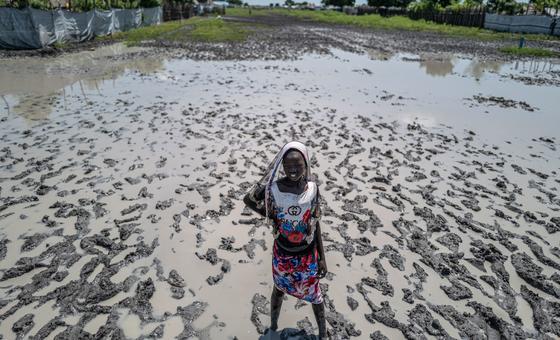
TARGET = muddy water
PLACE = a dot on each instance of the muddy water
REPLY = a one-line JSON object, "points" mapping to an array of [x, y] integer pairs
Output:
{"points": [[407, 157]]}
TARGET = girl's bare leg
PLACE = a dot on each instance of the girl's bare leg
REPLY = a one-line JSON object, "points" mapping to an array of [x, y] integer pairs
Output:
{"points": [[275, 307], [319, 311]]}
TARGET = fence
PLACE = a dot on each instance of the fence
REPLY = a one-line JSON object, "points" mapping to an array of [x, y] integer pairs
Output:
{"points": [[475, 17], [523, 24], [468, 17], [32, 28]]}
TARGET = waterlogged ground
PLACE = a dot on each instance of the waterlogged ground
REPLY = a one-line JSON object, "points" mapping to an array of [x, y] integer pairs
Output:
{"points": [[122, 174]]}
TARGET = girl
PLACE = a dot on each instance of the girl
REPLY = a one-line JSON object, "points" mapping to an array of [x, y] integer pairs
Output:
{"points": [[292, 202]]}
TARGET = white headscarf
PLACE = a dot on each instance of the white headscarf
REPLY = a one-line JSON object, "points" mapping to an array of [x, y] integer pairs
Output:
{"points": [[273, 169]]}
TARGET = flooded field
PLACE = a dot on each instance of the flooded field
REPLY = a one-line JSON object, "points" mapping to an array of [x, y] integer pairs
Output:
{"points": [[122, 174]]}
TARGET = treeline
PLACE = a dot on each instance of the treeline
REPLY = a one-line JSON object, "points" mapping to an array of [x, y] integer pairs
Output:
{"points": [[493, 6], [87, 5], [80, 5]]}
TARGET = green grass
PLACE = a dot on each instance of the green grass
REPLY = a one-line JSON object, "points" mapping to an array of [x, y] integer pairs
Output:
{"points": [[529, 52], [198, 28], [135, 36], [217, 30], [59, 45], [244, 11], [376, 21]]}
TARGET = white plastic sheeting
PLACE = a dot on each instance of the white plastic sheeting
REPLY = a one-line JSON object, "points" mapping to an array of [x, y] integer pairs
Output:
{"points": [[521, 23], [31, 28]]}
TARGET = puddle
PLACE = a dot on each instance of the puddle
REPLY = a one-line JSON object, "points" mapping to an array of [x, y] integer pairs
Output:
{"points": [[404, 87], [30, 87]]}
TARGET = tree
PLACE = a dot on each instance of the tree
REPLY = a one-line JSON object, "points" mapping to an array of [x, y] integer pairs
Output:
{"points": [[380, 3], [389, 3], [504, 6], [473, 3], [289, 3], [429, 4], [149, 3], [235, 2], [338, 3], [541, 5]]}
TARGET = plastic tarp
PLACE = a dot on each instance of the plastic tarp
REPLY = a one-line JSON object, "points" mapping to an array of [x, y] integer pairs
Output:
{"points": [[126, 19], [17, 29], [30, 28], [73, 27], [151, 16], [521, 23], [103, 22], [43, 22]]}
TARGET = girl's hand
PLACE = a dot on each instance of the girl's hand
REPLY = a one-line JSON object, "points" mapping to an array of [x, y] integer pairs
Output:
{"points": [[322, 269], [275, 232]]}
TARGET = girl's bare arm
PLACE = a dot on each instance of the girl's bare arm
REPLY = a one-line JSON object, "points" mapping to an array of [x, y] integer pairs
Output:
{"points": [[254, 200]]}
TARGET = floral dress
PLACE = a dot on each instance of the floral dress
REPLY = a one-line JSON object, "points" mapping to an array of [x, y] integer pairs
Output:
{"points": [[295, 259]]}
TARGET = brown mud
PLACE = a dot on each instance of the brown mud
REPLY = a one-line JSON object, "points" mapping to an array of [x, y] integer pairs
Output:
{"points": [[287, 37], [121, 212]]}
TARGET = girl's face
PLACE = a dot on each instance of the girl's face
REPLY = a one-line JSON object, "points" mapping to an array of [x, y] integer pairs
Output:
{"points": [[294, 165]]}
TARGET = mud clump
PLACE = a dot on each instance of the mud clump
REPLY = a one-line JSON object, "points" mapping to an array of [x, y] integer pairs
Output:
{"points": [[23, 325], [502, 102], [457, 291], [546, 313], [532, 274], [260, 306]]}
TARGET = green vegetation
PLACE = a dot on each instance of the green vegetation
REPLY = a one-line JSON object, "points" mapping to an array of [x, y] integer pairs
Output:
{"points": [[135, 36], [246, 12], [198, 28], [441, 5], [529, 52], [376, 21], [389, 3], [217, 30], [511, 7], [60, 45]]}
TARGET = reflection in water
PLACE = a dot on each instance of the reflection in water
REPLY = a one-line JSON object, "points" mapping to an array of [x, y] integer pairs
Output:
{"points": [[535, 66], [441, 67], [6, 103], [375, 54], [438, 67], [38, 83], [35, 107], [477, 68]]}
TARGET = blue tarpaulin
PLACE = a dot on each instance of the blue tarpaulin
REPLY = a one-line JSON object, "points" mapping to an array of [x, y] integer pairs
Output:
{"points": [[32, 28]]}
